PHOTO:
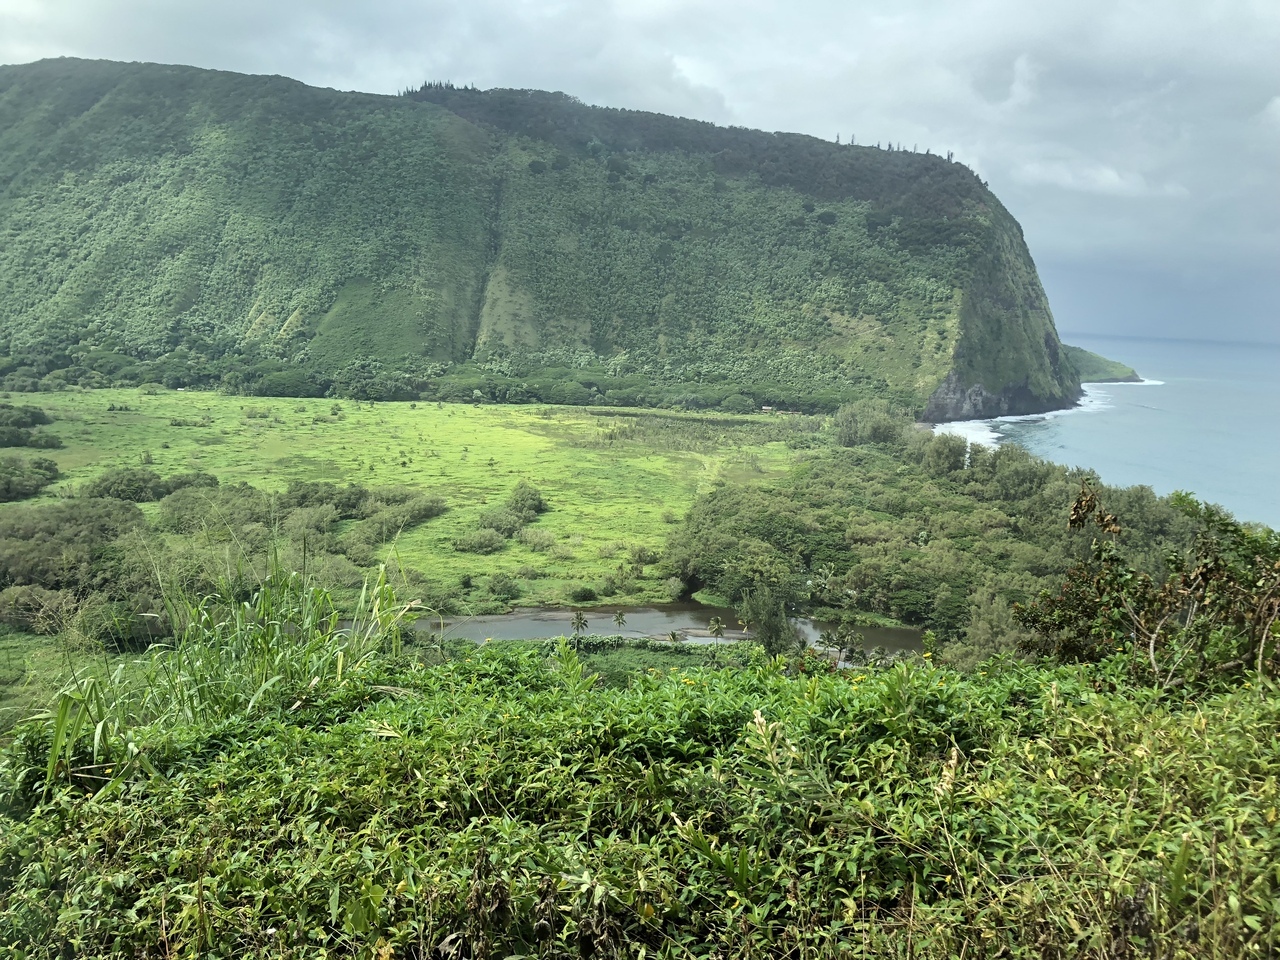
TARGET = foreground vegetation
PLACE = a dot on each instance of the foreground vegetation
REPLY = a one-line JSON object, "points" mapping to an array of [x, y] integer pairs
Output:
{"points": [[275, 786]]}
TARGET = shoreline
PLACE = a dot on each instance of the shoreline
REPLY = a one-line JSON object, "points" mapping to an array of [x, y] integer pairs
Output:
{"points": [[1080, 403], [984, 431]]}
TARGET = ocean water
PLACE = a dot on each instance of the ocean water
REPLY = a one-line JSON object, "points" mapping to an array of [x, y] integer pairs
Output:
{"points": [[1206, 419]]}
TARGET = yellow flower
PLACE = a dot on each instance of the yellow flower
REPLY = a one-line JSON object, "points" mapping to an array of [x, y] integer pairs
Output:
{"points": [[926, 654]]}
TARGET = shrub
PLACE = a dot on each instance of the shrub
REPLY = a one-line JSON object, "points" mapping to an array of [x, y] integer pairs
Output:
{"points": [[1208, 622], [135, 484], [503, 587], [642, 556], [65, 545], [291, 383], [583, 594], [197, 478], [387, 523], [617, 582], [738, 403], [504, 521], [350, 499], [14, 437], [226, 509], [538, 541], [526, 500], [674, 588], [972, 839], [35, 609], [20, 478], [484, 540], [22, 416]]}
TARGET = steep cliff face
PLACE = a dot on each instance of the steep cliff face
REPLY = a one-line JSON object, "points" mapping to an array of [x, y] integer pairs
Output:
{"points": [[1008, 358], [197, 227]]}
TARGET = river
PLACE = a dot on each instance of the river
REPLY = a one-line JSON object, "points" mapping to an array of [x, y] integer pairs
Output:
{"points": [[691, 621]]}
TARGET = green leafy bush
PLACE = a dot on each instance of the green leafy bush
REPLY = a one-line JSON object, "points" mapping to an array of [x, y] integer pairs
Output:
{"points": [[502, 586], [20, 479], [22, 416], [536, 540], [1033, 812], [140, 485], [135, 484], [526, 501], [1211, 619], [68, 545], [484, 540], [503, 521]]}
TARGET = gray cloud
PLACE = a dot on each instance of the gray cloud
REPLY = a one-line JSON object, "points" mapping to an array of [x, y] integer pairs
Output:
{"points": [[1138, 141]]}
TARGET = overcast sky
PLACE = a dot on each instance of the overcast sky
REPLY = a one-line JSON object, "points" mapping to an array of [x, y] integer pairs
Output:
{"points": [[1138, 141]]}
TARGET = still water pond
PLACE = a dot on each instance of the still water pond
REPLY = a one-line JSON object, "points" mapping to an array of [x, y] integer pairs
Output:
{"points": [[690, 620]]}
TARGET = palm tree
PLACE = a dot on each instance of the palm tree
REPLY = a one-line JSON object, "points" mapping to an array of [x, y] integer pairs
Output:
{"points": [[579, 623], [716, 626], [619, 619], [675, 636]]}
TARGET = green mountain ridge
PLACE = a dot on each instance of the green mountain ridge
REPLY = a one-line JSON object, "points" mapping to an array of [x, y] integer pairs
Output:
{"points": [[1095, 368], [204, 228]]}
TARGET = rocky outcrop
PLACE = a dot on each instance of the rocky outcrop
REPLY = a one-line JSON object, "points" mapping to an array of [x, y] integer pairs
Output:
{"points": [[953, 400]]}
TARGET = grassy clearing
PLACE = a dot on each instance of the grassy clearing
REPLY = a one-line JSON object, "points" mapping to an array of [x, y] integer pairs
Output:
{"points": [[613, 482]]}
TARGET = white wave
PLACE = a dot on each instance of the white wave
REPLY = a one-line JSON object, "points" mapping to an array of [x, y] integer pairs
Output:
{"points": [[981, 432], [987, 433]]}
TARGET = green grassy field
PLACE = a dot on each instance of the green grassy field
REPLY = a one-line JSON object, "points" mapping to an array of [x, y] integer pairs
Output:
{"points": [[30, 668], [613, 481]]}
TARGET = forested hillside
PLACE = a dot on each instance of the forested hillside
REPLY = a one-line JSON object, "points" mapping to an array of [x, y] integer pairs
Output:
{"points": [[200, 228]]}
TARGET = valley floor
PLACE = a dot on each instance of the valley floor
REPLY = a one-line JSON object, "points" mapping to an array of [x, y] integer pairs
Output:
{"points": [[614, 480]]}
